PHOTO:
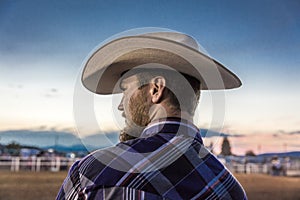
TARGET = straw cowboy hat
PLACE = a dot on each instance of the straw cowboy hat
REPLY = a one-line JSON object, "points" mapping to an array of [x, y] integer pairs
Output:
{"points": [[179, 51]]}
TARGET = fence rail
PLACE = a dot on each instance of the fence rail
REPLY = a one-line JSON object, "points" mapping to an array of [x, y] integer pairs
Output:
{"points": [[266, 168], [36, 163], [248, 168], [56, 163]]}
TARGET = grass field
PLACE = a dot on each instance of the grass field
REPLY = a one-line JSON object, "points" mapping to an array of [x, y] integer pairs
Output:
{"points": [[45, 185]]}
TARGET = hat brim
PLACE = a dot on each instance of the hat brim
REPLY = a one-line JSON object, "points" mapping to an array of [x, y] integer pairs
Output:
{"points": [[106, 65]]}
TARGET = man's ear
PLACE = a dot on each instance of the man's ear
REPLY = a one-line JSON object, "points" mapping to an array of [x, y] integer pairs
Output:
{"points": [[157, 86]]}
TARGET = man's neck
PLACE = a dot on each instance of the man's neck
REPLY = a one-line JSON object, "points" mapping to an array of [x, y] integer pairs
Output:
{"points": [[158, 111]]}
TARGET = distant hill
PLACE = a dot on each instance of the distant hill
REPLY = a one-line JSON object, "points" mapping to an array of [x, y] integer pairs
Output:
{"points": [[58, 140], [69, 142], [292, 154], [101, 140], [210, 133], [74, 148], [38, 138], [68, 139]]}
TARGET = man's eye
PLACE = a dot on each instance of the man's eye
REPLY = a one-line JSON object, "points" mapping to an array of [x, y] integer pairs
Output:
{"points": [[122, 88]]}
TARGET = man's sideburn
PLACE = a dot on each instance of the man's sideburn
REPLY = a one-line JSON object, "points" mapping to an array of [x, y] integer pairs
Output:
{"points": [[138, 106]]}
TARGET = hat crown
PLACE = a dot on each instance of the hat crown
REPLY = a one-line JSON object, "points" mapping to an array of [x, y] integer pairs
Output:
{"points": [[176, 37], [177, 50]]}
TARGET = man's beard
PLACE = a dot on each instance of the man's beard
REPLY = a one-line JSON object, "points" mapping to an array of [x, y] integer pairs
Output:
{"points": [[139, 110]]}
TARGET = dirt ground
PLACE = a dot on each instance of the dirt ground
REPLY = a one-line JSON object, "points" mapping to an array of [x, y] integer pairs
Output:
{"points": [[30, 185], [259, 187], [45, 185]]}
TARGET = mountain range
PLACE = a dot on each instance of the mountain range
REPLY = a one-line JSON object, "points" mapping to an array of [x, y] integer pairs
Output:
{"points": [[59, 140], [47, 138], [64, 141]]}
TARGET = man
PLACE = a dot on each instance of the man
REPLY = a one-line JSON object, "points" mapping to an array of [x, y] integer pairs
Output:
{"points": [[161, 154]]}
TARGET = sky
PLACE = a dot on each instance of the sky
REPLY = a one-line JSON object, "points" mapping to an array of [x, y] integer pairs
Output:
{"points": [[43, 45]]}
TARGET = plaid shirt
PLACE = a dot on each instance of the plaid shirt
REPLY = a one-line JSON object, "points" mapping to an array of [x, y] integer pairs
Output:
{"points": [[168, 161]]}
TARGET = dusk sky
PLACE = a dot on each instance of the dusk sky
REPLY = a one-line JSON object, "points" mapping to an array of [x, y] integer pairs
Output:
{"points": [[44, 43]]}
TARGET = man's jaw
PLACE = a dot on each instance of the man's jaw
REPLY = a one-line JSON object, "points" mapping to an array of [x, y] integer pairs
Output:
{"points": [[131, 128]]}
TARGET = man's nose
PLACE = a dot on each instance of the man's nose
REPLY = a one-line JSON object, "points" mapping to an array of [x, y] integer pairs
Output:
{"points": [[120, 107]]}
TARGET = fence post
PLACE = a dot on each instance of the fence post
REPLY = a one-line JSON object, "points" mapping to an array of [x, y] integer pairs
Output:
{"points": [[15, 164], [33, 159], [248, 168], [17, 168], [12, 165], [38, 164], [58, 163]]}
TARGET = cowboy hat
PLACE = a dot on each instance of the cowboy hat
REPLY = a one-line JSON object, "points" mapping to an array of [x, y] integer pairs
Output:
{"points": [[178, 51]]}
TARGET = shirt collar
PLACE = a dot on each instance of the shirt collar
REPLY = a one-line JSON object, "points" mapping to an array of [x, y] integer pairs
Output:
{"points": [[172, 125]]}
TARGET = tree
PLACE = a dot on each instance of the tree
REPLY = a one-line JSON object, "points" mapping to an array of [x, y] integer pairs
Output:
{"points": [[226, 149], [13, 145], [250, 153], [14, 148]]}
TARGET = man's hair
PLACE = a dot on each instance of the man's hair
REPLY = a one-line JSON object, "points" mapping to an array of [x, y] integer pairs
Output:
{"points": [[183, 90]]}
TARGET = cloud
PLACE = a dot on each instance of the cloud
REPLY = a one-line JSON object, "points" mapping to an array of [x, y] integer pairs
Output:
{"points": [[294, 132], [287, 133], [53, 92], [42, 127], [232, 135], [294, 145], [68, 129], [15, 86], [54, 129]]}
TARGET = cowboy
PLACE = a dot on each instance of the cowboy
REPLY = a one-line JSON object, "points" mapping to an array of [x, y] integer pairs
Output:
{"points": [[161, 153]]}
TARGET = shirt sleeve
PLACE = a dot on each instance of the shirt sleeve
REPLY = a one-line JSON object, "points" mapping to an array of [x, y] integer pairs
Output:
{"points": [[71, 188]]}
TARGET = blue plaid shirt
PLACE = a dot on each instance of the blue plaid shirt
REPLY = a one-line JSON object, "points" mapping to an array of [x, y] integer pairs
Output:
{"points": [[168, 161]]}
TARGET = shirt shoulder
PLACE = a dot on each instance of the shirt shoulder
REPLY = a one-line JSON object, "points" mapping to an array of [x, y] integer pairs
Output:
{"points": [[170, 167]]}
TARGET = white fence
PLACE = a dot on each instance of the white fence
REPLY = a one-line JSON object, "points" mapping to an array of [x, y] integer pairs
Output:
{"points": [[293, 169], [248, 168], [56, 163], [36, 163]]}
